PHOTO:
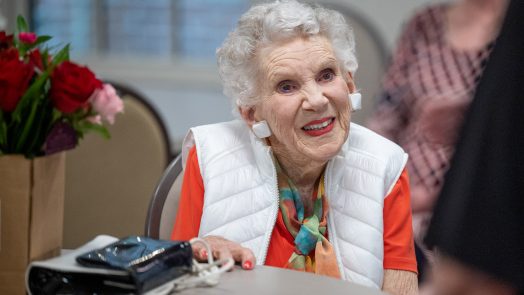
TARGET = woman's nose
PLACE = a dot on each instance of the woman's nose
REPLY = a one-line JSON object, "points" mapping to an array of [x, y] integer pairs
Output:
{"points": [[315, 100]]}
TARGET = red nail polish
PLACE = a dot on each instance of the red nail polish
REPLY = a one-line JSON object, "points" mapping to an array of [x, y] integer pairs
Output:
{"points": [[203, 254], [247, 265]]}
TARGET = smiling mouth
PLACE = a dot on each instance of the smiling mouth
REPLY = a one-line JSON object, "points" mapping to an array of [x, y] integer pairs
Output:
{"points": [[320, 127]]}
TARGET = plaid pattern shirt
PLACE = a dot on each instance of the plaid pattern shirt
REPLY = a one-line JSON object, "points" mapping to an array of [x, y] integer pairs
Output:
{"points": [[427, 89]]}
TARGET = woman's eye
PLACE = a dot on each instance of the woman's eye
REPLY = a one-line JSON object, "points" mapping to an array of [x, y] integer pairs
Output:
{"points": [[286, 87], [326, 75]]}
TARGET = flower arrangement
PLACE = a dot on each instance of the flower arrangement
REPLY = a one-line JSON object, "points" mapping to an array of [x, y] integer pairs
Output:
{"points": [[47, 102]]}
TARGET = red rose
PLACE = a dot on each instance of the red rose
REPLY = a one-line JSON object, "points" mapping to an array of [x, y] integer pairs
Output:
{"points": [[35, 59], [71, 86], [6, 41], [14, 79]]}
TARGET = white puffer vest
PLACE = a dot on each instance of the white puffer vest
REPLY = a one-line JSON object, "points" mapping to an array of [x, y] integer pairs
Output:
{"points": [[241, 193]]}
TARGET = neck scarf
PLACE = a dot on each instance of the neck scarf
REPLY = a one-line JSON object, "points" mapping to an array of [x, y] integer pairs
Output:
{"points": [[308, 231]]}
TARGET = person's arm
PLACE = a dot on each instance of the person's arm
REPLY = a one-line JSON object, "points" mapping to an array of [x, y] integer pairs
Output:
{"points": [[187, 224], [191, 201], [400, 282], [400, 265]]}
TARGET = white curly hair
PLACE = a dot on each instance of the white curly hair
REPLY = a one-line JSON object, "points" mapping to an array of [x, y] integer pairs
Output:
{"points": [[267, 23]]}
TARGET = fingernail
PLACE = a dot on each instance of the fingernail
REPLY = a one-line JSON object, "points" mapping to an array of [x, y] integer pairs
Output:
{"points": [[247, 265], [203, 254]]}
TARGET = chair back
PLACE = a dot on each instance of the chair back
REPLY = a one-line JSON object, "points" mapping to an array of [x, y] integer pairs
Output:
{"points": [[164, 202], [109, 182]]}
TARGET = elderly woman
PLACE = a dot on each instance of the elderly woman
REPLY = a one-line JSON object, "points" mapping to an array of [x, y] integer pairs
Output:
{"points": [[289, 185]]}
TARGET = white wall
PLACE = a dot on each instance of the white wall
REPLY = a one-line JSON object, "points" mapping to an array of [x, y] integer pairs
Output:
{"points": [[9, 9]]}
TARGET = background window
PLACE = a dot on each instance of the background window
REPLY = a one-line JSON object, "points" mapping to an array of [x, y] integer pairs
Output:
{"points": [[153, 28]]}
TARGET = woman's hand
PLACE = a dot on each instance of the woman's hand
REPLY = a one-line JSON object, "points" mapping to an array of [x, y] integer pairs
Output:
{"points": [[224, 249]]}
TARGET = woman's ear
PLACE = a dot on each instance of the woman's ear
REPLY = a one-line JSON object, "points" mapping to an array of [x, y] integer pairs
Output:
{"points": [[351, 83], [248, 115], [260, 128]]}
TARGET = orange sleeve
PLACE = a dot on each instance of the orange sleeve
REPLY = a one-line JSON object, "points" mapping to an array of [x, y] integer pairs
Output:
{"points": [[191, 201], [399, 248]]}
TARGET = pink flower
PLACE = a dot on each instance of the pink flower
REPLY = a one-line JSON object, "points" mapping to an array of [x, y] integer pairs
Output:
{"points": [[27, 37], [106, 103]]}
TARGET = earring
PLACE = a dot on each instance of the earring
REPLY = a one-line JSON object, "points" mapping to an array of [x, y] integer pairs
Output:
{"points": [[261, 129], [356, 101]]}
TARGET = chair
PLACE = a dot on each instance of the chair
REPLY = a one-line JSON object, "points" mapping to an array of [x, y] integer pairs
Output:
{"points": [[109, 182], [164, 202]]}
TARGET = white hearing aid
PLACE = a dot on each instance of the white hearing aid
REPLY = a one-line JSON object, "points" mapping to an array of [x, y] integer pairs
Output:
{"points": [[356, 101], [261, 129]]}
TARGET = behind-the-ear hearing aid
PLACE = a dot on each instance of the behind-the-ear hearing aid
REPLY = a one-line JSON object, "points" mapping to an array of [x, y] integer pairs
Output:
{"points": [[261, 129], [356, 101]]}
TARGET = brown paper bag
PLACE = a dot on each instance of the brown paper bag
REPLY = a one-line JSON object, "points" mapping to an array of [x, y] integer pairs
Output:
{"points": [[31, 215]]}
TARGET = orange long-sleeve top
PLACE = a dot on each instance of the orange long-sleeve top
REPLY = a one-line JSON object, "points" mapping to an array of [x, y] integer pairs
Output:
{"points": [[399, 252]]}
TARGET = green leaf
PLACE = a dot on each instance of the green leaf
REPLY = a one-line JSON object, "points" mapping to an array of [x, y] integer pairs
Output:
{"points": [[61, 56], [43, 124], [22, 49], [30, 95], [45, 57], [28, 124], [21, 24], [43, 38], [86, 126], [40, 40], [56, 115]]}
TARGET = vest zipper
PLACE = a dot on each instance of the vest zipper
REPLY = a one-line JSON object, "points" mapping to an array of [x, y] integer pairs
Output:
{"points": [[331, 225], [274, 218]]}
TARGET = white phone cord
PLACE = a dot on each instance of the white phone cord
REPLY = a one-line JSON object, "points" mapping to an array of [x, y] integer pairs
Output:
{"points": [[203, 274]]}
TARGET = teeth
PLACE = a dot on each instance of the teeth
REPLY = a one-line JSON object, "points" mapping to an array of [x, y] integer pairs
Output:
{"points": [[318, 126]]}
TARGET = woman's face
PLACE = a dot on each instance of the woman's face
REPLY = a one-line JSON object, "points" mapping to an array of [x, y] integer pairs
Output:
{"points": [[304, 99]]}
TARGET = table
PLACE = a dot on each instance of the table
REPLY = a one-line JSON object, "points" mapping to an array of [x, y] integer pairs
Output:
{"points": [[260, 280], [272, 280]]}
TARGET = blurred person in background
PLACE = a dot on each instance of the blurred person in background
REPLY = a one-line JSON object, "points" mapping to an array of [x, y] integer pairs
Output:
{"points": [[294, 184], [478, 221], [427, 89]]}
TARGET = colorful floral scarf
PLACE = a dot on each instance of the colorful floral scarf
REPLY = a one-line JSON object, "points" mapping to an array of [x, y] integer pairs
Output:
{"points": [[308, 231]]}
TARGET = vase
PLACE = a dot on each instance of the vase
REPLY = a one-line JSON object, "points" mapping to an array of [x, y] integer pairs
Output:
{"points": [[31, 215]]}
